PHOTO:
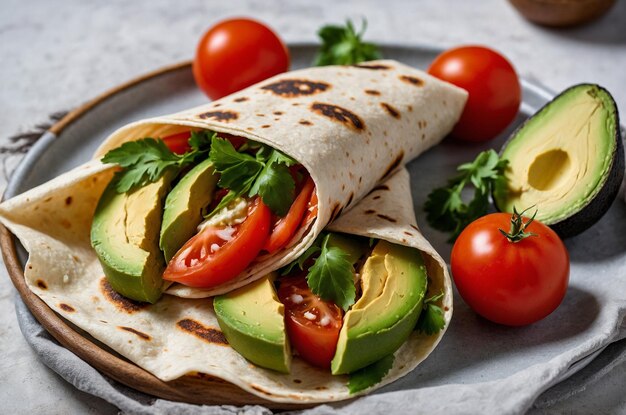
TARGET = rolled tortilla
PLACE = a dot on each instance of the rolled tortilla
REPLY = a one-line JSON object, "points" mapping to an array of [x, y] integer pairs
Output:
{"points": [[179, 336], [351, 127]]}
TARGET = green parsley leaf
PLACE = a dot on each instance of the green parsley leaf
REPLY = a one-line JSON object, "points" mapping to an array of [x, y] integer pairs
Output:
{"points": [[275, 184], [431, 319], [264, 174], [342, 45], [312, 250], [445, 208], [143, 161], [370, 375], [332, 276]]}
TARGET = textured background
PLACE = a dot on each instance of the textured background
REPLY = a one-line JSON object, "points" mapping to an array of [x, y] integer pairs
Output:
{"points": [[57, 55]]}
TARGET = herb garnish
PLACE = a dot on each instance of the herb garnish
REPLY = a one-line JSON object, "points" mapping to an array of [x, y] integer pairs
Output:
{"points": [[332, 274], [265, 173], [145, 161], [370, 375], [431, 319], [445, 208], [342, 45]]}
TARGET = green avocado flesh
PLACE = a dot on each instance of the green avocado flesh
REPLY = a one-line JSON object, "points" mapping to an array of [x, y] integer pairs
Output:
{"points": [[184, 206], [125, 234], [394, 283], [252, 319], [562, 158]]}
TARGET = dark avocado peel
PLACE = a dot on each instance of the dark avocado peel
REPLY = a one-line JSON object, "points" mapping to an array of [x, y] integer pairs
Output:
{"points": [[567, 160]]}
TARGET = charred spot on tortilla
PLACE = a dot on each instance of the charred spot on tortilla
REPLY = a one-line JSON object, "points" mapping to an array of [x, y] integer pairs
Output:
{"points": [[372, 92], [394, 165], [67, 307], [408, 233], [241, 99], [380, 187], [266, 126], [68, 200], [279, 113], [412, 80], [410, 108], [373, 66], [209, 334], [376, 197], [390, 110], [342, 115], [387, 218], [217, 104], [292, 88], [223, 116], [305, 122], [122, 303], [260, 389], [42, 284], [139, 334], [249, 129], [297, 381], [369, 212], [321, 388], [415, 227]]}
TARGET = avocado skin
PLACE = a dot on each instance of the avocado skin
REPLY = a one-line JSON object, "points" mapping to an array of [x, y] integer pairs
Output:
{"points": [[596, 207]]}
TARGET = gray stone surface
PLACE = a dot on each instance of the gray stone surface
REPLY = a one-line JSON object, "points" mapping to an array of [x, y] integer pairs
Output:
{"points": [[57, 55]]}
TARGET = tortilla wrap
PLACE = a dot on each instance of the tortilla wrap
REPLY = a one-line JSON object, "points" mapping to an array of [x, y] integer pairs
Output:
{"points": [[351, 127], [179, 336]]}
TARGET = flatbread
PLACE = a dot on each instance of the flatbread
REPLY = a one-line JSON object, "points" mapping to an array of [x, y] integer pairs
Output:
{"points": [[178, 336]]}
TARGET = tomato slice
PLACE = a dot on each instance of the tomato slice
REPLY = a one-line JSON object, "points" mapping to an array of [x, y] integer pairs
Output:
{"points": [[311, 210], [313, 324], [178, 143], [207, 260], [286, 227]]}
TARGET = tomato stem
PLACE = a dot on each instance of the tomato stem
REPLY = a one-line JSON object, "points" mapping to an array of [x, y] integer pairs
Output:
{"points": [[518, 227]]}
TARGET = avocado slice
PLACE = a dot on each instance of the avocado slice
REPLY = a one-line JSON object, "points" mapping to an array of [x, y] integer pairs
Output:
{"points": [[124, 234], [567, 160], [394, 283], [253, 321], [184, 205]]}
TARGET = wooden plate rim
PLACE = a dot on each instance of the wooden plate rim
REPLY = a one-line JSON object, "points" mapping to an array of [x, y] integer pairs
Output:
{"points": [[190, 389]]}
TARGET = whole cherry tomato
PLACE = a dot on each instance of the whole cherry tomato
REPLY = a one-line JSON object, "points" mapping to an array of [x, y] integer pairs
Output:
{"points": [[513, 280], [494, 90], [235, 54]]}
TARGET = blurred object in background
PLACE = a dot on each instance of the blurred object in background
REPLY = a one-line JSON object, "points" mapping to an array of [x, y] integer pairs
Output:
{"points": [[561, 13]]}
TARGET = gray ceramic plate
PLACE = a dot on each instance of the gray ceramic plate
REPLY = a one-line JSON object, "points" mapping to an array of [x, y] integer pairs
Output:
{"points": [[473, 349]]}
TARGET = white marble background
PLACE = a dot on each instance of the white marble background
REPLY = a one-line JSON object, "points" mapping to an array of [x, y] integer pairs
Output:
{"points": [[55, 55]]}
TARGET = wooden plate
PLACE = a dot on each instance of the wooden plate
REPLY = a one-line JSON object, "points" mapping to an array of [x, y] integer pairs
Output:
{"points": [[72, 141]]}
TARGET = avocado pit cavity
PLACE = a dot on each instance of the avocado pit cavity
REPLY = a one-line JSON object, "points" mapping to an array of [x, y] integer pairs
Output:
{"points": [[549, 170]]}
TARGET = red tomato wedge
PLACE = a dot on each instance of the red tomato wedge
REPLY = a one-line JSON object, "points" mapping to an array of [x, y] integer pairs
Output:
{"points": [[178, 143], [286, 227], [208, 260], [313, 324]]}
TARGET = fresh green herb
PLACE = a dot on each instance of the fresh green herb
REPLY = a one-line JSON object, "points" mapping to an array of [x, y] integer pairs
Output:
{"points": [[145, 161], [265, 174], [445, 208], [312, 250], [342, 45], [370, 375], [431, 319]]}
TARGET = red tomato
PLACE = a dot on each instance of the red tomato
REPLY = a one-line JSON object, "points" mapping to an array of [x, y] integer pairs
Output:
{"points": [[285, 227], [511, 283], [178, 143], [197, 266], [315, 338], [493, 86], [235, 54]]}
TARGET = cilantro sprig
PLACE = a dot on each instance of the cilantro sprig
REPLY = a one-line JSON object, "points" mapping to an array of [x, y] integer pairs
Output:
{"points": [[265, 174], [445, 208], [332, 274], [431, 319], [370, 375], [343, 45], [145, 161]]}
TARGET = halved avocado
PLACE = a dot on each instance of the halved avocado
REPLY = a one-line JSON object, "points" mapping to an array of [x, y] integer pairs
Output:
{"points": [[394, 282], [125, 235], [184, 206], [567, 160], [253, 321]]}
